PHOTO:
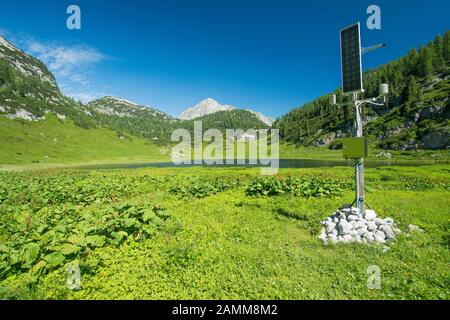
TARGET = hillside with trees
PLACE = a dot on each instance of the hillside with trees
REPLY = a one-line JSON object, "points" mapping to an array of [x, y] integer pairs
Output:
{"points": [[416, 114]]}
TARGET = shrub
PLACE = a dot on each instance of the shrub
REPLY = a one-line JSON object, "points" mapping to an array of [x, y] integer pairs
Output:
{"points": [[298, 186]]}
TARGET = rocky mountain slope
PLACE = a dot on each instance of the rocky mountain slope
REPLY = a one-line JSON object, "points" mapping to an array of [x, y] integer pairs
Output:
{"points": [[210, 106], [29, 91]]}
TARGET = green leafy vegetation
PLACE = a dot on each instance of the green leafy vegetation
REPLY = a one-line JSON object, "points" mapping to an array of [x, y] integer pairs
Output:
{"points": [[50, 220], [135, 239], [298, 186], [202, 187]]}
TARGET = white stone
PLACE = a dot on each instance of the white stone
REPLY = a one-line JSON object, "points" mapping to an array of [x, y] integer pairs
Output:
{"points": [[371, 226], [352, 217], [387, 231], [378, 221], [361, 231], [329, 226], [370, 215], [343, 227], [369, 236], [359, 224], [379, 234], [347, 238], [412, 227], [379, 239]]}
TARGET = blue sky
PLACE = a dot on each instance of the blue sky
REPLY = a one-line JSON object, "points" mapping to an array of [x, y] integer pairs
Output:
{"points": [[270, 56]]}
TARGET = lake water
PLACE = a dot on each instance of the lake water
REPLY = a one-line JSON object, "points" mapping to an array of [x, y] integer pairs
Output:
{"points": [[284, 163]]}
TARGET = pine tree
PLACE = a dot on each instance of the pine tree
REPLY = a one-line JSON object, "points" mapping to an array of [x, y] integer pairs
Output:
{"points": [[411, 62], [348, 113], [439, 60], [411, 95], [413, 90], [425, 65], [446, 47], [405, 108]]}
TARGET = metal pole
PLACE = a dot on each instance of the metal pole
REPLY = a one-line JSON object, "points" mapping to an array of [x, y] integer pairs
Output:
{"points": [[359, 167]]}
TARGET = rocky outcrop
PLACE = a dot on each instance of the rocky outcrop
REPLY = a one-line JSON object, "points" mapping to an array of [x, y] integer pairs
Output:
{"points": [[25, 115], [384, 154], [435, 140], [325, 140], [429, 112]]}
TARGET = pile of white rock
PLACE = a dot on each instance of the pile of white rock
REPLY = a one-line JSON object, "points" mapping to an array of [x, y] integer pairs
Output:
{"points": [[349, 225]]}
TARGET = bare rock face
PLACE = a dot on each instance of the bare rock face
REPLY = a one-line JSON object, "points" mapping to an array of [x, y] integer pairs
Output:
{"points": [[24, 63], [435, 140], [325, 140], [430, 112], [348, 225]]}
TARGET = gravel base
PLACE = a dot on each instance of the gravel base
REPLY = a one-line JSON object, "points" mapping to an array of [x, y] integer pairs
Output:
{"points": [[348, 225]]}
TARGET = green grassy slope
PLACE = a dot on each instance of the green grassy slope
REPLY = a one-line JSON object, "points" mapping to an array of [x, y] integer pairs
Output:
{"points": [[55, 141]]}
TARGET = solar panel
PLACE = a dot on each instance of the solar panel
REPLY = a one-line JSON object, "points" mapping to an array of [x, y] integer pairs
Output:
{"points": [[351, 59]]}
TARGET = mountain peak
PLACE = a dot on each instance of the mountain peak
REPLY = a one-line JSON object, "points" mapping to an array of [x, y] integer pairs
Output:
{"points": [[209, 106], [203, 108], [209, 100]]}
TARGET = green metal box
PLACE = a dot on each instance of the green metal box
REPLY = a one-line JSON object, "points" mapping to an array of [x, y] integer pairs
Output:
{"points": [[354, 148]]}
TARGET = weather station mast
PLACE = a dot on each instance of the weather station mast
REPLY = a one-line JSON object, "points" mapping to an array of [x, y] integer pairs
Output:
{"points": [[352, 84]]}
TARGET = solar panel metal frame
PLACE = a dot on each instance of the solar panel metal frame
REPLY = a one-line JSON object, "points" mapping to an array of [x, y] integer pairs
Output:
{"points": [[359, 86]]}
